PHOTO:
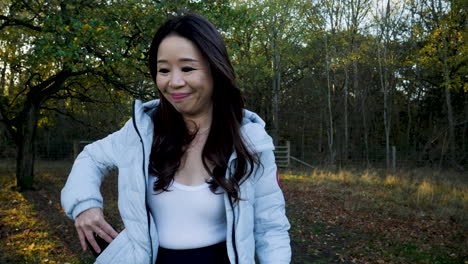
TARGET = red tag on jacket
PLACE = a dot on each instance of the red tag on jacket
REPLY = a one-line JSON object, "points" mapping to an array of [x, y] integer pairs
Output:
{"points": [[278, 179]]}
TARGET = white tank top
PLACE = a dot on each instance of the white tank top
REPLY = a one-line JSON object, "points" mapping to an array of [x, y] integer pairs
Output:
{"points": [[188, 216]]}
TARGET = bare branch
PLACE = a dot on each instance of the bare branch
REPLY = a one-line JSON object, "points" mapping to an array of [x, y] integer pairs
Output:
{"points": [[24, 89], [69, 116]]}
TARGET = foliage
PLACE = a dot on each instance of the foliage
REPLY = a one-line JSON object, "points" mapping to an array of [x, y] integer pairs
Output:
{"points": [[58, 55], [288, 55]]}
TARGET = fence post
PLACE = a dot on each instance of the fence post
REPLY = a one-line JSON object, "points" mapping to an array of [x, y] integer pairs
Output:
{"points": [[78, 147], [75, 149], [288, 146]]}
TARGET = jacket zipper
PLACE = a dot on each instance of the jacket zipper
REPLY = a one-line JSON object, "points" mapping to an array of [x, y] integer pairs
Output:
{"points": [[146, 184], [233, 230], [146, 204]]}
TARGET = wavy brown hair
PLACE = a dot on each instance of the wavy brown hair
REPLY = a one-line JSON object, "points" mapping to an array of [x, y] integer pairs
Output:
{"points": [[171, 135]]}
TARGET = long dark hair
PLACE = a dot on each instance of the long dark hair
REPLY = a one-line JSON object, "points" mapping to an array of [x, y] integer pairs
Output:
{"points": [[171, 135]]}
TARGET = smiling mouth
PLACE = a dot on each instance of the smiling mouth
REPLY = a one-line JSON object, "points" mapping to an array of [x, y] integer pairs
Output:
{"points": [[179, 96]]}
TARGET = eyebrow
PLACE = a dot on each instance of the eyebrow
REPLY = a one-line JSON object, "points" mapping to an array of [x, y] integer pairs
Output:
{"points": [[182, 60]]}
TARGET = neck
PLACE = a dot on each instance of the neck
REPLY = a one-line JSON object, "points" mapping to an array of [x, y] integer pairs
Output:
{"points": [[201, 122]]}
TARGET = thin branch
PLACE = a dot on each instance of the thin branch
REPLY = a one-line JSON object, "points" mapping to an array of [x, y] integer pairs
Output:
{"points": [[59, 79], [69, 116], [24, 89]]}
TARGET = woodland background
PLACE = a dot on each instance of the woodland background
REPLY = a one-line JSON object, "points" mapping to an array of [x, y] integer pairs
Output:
{"points": [[344, 81]]}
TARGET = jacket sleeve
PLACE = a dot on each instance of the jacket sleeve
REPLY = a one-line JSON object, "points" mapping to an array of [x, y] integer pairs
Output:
{"points": [[82, 189], [271, 224]]}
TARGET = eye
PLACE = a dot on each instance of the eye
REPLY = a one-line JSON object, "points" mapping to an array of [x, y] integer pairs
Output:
{"points": [[162, 70], [187, 69]]}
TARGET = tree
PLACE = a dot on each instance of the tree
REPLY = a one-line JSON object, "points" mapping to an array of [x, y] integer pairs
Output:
{"points": [[442, 56], [355, 15], [388, 27], [61, 49], [49, 49]]}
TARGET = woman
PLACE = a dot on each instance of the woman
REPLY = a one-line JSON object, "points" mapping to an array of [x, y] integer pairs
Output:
{"points": [[197, 174]]}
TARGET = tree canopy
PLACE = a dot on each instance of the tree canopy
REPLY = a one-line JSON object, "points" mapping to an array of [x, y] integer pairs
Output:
{"points": [[342, 80]]}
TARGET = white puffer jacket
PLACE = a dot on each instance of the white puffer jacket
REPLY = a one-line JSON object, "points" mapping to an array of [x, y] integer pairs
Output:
{"points": [[259, 219]]}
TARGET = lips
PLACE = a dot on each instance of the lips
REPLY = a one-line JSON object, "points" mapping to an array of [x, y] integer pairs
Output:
{"points": [[179, 96]]}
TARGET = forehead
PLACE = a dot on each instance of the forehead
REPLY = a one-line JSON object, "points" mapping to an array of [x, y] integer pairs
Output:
{"points": [[177, 47]]}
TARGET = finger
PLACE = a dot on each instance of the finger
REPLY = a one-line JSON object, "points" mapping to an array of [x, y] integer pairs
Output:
{"points": [[82, 239], [92, 241], [101, 233], [109, 230]]}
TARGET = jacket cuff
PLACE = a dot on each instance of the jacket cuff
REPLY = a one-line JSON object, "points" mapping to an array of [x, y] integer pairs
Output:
{"points": [[85, 205]]}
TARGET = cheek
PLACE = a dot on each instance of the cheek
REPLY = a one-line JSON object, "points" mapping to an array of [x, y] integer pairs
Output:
{"points": [[206, 82], [210, 87], [160, 84], [165, 96]]}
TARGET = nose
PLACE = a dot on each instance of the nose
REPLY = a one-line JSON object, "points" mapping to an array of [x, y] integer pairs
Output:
{"points": [[177, 80]]}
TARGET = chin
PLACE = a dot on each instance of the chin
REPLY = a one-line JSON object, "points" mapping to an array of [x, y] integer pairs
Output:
{"points": [[184, 112]]}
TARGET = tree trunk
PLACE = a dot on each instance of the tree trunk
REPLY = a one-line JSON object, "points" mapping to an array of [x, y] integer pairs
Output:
{"points": [[448, 101], [303, 136], [320, 147], [25, 149], [364, 124], [363, 106], [275, 87], [346, 126], [3, 80], [386, 114], [385, 85], [408, 129], [465, 129], [330, 113], [278, 99]]}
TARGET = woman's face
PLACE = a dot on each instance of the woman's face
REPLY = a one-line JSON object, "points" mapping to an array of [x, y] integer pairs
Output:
{"points": [[184, 77]]}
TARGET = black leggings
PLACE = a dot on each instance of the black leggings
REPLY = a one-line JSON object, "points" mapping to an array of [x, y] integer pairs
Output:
{"points": [[215, 254]]}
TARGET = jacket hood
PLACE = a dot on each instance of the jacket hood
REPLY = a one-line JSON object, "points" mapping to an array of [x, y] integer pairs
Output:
{"points": [[252, 127], [253, 131]]}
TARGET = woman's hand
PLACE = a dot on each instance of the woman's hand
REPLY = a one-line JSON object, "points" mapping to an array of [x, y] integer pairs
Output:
{"points": [[92, 221]]}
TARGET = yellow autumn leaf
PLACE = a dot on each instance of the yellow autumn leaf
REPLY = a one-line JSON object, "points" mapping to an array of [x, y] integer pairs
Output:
{"points": [[31, 246], [67, 28], [86, 27], [99, 29]]}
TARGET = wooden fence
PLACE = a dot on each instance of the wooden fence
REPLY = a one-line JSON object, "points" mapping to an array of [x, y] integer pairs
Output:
{"points": [[283, 157]]}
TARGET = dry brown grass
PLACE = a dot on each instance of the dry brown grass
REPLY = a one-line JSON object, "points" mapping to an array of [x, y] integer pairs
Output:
{"points": [[413, 216], [440, 191], [348, 216]]}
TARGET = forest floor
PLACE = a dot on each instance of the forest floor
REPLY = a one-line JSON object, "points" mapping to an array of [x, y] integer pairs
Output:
{"points": [[345, 216], [362, 216]]}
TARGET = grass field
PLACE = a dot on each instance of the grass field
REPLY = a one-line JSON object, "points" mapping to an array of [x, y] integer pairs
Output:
{"points": [[346, 216]]}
